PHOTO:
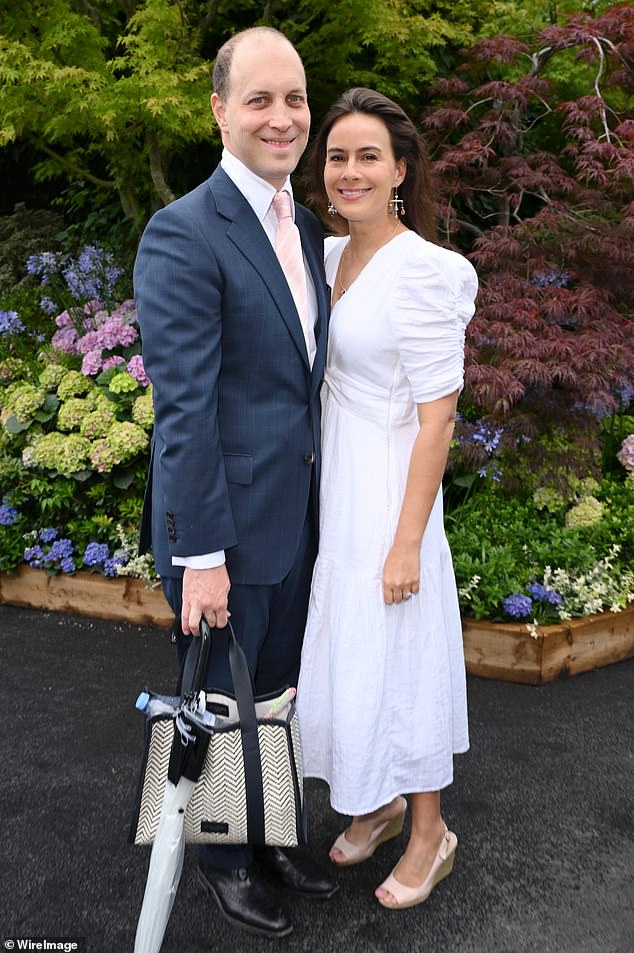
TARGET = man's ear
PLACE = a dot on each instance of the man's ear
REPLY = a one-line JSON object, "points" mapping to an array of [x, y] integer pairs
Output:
{"points": [[218, 109]]}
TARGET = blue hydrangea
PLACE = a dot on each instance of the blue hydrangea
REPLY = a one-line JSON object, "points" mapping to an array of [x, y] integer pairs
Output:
{"points": [[34, 555], [48, 534], [110, 566], [518, 606], [8, 514], [60, 550], [67, 565], [96, 553], [542, 593]]}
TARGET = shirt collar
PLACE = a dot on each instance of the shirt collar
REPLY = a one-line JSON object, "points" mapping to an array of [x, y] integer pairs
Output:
{"points": [[258, 193]]}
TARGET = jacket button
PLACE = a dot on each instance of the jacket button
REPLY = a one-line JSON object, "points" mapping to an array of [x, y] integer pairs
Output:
{"points": [[309, 458]]}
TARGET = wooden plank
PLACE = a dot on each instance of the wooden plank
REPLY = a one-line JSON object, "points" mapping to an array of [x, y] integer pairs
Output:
{"points": [[508, 652], [91, 594]]}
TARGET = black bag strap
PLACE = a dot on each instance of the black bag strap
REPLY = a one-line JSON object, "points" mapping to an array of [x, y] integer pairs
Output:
{"points": [[193, 676]]}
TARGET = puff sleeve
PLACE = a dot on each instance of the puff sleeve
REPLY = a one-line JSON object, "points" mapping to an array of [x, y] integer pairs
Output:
{"points": [[433, 302]]}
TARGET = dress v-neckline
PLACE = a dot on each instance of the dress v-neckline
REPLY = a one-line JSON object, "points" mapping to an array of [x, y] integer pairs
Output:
{"points": [[336, 280]]}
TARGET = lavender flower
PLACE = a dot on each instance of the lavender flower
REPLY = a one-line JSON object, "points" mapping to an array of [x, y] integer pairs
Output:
{"points": [[518, 606]]}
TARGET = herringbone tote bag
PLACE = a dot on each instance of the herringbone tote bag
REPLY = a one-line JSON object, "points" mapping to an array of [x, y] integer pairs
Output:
{"points": [[251, 788]]}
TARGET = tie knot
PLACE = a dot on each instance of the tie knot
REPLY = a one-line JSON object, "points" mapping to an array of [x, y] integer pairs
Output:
{"points": [[282, 205]]}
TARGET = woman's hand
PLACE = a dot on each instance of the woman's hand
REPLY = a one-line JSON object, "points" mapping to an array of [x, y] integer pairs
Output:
{"points": [[401, 574]]}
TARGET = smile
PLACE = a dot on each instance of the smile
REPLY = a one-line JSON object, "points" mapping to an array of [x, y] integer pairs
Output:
{"points": [[352, 194], [279, 143]]}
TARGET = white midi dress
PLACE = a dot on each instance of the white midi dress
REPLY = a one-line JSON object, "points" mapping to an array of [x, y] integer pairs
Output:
{"points": [[382, 693]]}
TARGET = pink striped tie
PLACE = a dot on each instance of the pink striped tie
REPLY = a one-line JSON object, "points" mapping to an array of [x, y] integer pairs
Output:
{"points": [[288, 248]]}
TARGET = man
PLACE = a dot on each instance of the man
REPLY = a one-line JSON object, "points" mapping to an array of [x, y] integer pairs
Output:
{"points": [[234, 341]]}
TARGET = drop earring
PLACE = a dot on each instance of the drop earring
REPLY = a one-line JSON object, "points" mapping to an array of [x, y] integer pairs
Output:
{"points": [[331, 209], [396, 206]]}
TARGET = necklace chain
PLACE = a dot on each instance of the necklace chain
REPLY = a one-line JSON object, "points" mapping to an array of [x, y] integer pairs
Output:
{"points": [[342, 288]]}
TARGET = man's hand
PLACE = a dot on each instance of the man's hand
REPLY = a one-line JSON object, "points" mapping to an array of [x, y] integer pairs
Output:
{"points": [[205, 592]]}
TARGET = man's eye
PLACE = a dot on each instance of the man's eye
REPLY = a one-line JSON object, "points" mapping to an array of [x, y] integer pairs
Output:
{"points": [[370, 155], [296, 100]]}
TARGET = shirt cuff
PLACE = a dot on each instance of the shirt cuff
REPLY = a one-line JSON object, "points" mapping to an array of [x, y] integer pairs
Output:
{"points": [[206, 561]]}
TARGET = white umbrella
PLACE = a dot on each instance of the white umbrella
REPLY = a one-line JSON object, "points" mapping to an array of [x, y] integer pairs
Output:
{"points": [[166, 865], [189, 747]]}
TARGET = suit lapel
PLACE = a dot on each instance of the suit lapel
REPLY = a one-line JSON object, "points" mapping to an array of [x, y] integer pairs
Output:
{"points": [[247, 234]]}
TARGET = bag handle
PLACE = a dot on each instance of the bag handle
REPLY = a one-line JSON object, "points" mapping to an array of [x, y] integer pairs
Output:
{"points": [[193, 677]]}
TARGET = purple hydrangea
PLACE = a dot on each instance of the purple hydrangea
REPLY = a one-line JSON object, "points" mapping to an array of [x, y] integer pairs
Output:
{"points": [[518, 606], [113, 361], [91, 363], [137, 370], [542, 593], [67, 564], [96, 553]]}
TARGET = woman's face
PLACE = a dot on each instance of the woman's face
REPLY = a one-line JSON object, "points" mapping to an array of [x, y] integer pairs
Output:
{"points": [[361, 171]]}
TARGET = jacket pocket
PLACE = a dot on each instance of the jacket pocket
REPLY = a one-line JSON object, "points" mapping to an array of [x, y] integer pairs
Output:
{"points": [[239, 467]]}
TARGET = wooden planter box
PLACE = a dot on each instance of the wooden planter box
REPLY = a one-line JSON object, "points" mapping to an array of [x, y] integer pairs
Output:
{"points": [[501, 650], [507, 651], [86, 593]]}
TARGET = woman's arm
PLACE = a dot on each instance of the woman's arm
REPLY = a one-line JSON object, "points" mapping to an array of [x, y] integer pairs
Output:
{"points": [[401, 572]]}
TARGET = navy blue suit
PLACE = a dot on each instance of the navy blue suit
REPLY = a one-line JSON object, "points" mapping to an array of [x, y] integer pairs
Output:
{"points": [[236, 447]]}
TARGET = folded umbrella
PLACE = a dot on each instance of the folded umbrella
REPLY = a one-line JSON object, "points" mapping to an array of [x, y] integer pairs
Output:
{"points": [[187, 757]]}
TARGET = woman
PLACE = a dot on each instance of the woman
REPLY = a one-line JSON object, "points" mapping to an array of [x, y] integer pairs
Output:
{"points": [[381, 696]]}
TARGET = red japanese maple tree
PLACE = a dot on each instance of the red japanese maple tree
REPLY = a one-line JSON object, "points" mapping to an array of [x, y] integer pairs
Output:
{"points": [[538, 188]]}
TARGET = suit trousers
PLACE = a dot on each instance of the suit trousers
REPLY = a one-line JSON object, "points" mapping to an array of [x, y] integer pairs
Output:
{"points": [[269, 623]]}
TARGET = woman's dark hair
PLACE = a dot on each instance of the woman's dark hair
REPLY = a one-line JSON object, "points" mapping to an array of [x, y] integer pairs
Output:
{"points": [[407, 144]]}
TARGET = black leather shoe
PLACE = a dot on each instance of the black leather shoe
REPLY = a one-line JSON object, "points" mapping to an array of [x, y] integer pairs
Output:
{"points": [[296, 872], [245, 900]]}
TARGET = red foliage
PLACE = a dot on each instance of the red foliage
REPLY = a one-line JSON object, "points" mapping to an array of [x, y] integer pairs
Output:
{"points": [[540, 192]]}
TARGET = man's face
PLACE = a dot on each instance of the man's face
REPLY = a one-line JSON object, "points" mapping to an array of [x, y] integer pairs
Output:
{"points": [[265, 119]]}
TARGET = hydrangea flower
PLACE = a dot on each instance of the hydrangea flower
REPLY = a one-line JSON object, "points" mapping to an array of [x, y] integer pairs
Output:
{"points": [[123, 441], [73, 384], [8, 513], [137, 370], [625, 456], [23, 401], [71, 413], [541, 593], [52, 376], [96, 553], [113, 361], [143, 411], [48, 534], [587, 512], [123, 383], [91, 364], [97, 423], [518, 606], [67, 454]]}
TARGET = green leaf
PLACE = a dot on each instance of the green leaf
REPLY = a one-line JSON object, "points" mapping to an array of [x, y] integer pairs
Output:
{"points": [[14, 426]]}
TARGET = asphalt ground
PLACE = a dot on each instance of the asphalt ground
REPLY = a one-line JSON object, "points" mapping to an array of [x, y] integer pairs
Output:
{"points": [[542, 806]]}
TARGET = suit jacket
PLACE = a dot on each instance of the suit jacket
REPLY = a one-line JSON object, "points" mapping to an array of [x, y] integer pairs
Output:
{"points": [[236, 444]]}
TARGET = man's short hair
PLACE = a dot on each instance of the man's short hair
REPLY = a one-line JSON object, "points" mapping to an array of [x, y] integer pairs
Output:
{"points": [[224, 57]]}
